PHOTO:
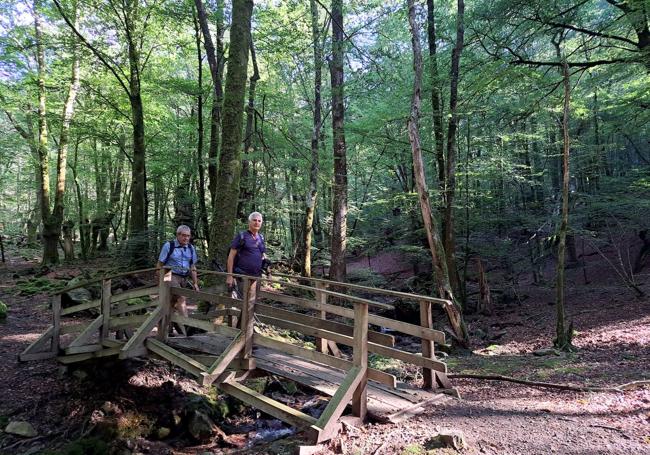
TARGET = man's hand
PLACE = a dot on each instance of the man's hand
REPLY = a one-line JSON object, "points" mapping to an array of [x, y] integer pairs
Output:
{"points": [[195, 285], [230, 280]]}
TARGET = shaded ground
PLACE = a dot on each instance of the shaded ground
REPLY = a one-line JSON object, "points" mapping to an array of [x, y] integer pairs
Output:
{"points": [[613, 341]]}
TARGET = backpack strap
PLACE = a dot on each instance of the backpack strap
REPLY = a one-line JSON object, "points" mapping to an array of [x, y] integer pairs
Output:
{"points": [[172, 245]]}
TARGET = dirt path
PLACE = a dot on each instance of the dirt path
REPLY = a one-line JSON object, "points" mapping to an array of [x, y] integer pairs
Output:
{"points": [[613, 343]]}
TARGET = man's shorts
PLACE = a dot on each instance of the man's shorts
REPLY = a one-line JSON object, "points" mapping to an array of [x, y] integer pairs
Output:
{"points": [[178, 281]]}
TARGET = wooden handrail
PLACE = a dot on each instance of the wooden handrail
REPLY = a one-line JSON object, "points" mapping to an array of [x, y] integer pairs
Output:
{"points": [[97, 280]]}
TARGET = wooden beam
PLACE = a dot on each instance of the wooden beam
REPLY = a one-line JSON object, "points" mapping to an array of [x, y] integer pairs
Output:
{"points": [[106, 308], [208, 297], [426, 320], [404, 327], [26, 357], [340, 400], [176, 357], [81, 307], [360, 360], [132, 308], [322, 343], [407, 357], [127, 321], [39, 343], [88, 332], [137, 340], [206, 325], [56, 324], [343, 329], [274, 408], [164, 302], [315, 356], [81, 349], [135, 293], [223, 361]]}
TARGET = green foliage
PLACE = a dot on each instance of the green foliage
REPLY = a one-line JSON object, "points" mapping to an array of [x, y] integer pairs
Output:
{"points": [[85, 446], [3, 312], [366, 277], [38, 285]]}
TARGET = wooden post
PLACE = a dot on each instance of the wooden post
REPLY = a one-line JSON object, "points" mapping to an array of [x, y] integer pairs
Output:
{"points": [[56, 317], [426, 320], [321, 297], [360, 359], [106, 309], [247, 320], [164, 302]]}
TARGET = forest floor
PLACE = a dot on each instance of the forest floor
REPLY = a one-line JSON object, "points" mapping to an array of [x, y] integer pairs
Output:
{"points": [[612, 340]]}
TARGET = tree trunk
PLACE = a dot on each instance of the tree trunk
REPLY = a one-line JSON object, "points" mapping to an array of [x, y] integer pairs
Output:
{"points": [[436, 246], [203, 211], [225, 207], [340, 196], [563, 334], [315, 138], [215, 61], [247, 183], [450, 187], [436, 95]]}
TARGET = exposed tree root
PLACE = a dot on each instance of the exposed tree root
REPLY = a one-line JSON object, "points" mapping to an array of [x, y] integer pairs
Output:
{"points": [[550, 385]]}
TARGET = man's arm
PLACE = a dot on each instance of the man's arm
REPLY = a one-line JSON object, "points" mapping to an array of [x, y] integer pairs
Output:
{"points": [[195, 277], [230, 265]]}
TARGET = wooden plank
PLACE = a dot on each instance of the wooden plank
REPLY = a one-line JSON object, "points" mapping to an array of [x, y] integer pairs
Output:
{"points": [[127, 321], [341, 398], [404, 327], [307, 330], [224, 360], [206, 325], [106, 308], [137, 340], [208, 297], [26, 357], [135, 293], [177, 358], [88, 332], [212, 343], [407, 357], [315, 356], [81, 307], [81, 349], [56, 318], [360, 360], [247, 320], [234, 365], [72, 328], [343, 329], [39, 343], [274, 408], [132, 308], [322, 343], [426, 320]]}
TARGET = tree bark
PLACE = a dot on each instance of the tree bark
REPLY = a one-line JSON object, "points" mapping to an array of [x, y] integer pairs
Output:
{"points": [[450, 185], [312, 193], [441, 277], [340, 190], [203, 211], [225, 207], [563, 334], [215, 61], [436, 95]]}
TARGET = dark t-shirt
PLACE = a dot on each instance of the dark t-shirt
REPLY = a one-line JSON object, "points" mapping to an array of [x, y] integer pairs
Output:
{"points": [[249, 257]]}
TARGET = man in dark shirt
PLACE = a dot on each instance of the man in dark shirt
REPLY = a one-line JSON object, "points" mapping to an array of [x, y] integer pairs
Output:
{"points": [[247, 250]]}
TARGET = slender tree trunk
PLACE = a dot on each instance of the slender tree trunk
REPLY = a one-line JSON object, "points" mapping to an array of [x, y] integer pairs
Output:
{"points": [[340, 196], [203, 211], [247, 183], [436, 246], [436, 95], [450, 187], [225, 207], [315, 138], [215, 61], [563, 334]]}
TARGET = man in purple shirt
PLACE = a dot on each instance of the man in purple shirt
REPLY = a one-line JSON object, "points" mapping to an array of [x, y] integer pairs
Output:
{"points": [[247, 250]]}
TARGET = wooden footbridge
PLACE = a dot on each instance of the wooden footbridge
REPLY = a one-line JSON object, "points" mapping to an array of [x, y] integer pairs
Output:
{"points": [[236, 342]]}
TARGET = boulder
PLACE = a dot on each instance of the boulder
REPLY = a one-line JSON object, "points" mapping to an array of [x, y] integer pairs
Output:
{"points": [[201, 427], [21, 428], [76, 297], [454, 439]]}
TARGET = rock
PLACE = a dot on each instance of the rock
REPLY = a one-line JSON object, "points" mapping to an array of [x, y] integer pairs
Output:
{"points": [[110, 408], [163, 432], [80, 374], [21, 428], [543, 352], [76, 297], [480, 333], [201, 427], [454, 439]]}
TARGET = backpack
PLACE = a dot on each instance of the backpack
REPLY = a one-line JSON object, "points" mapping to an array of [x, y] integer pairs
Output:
{"points": [[172, 246]]}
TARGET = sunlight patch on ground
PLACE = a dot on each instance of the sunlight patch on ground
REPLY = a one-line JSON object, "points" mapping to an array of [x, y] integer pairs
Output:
{"points": [[21, 338]]}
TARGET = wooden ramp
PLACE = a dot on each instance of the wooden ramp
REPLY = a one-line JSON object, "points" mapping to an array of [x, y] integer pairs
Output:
{"points": [[238, 338], [385, 404]]}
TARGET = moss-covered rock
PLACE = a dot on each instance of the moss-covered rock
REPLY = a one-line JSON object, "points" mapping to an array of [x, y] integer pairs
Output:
{"points": [[3, 310]]}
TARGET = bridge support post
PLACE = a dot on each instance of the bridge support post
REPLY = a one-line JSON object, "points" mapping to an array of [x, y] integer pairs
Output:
{"points": [[56, 323], [247, 320], [426, 320], [106, 309], [360, 359], [165, 303]]}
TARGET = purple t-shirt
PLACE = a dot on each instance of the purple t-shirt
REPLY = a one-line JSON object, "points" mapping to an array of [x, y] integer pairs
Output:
{"points": [[249, 257]]}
